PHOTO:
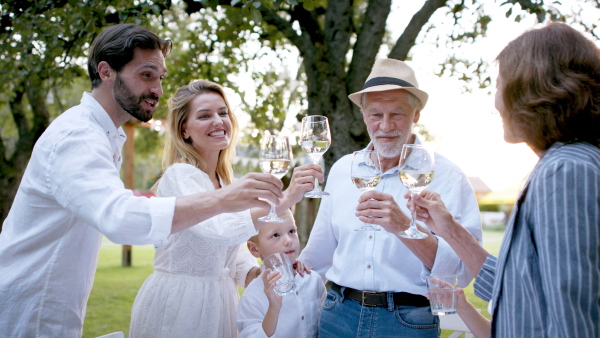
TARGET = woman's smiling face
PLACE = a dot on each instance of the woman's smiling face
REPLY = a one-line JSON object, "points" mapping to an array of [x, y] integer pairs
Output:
{"points": [[208, 125]]}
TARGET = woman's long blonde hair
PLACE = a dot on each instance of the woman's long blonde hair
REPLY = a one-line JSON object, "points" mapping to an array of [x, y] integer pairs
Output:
{"points": [[178, 149]]}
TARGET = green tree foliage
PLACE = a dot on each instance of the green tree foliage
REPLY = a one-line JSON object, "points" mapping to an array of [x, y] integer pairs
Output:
{"points": [[44, 43]]}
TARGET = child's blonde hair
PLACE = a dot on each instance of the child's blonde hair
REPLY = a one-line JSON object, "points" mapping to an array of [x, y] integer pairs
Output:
{"points": [[262, 212]]}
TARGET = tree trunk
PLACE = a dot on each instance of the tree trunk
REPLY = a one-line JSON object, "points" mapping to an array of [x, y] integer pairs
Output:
{"points": [[9, 183], [29, 130], [323, 52]]}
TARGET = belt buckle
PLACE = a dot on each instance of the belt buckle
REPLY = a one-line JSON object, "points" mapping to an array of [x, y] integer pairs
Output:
{"points": [[364, 302]]}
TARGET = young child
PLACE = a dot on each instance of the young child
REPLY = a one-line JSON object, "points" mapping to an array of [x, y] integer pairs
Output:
{"points": [[261, 312]]}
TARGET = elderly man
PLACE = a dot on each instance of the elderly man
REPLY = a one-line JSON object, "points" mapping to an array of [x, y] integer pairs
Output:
{"points": [[377, 277]]}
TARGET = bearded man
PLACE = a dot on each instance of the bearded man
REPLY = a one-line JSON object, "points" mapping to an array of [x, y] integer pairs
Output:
{"points": [[71, 193], [377, 278]]}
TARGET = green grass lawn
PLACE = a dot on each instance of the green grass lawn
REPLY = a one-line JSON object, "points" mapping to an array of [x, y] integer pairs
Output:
{"points": [[115, 287]]}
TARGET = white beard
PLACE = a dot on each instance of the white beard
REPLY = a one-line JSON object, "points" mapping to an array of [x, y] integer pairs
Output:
{"points": [[388, 150]]}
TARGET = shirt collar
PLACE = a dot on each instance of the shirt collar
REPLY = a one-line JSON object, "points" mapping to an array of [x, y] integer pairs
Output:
{"points": [[103, 119]]}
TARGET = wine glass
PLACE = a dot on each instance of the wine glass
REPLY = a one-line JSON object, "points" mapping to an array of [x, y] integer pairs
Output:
{"points": [[366, 174], [274, 158], [315, 139], [416, 170]]}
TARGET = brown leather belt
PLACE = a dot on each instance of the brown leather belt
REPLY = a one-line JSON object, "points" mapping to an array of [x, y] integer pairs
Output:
{"points": [[368, 298]]}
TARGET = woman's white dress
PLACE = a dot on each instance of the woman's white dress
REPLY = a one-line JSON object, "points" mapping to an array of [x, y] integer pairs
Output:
{"points": [[192, 292]]}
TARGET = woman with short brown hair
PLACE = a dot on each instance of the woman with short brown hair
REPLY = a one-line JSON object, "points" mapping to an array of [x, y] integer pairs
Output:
{"points": [[546, 279]]}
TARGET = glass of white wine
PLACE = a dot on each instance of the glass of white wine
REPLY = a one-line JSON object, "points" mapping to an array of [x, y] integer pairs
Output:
{"points": [[274, 158], [366, 174], [416, 170], [315, 139]]}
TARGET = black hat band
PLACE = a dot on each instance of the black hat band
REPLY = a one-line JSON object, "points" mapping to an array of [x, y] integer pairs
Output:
{"points": [[378, 81]]}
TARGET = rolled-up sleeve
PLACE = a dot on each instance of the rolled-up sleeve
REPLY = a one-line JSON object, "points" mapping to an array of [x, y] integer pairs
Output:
{"points": [[162, 211], [484, 282]]}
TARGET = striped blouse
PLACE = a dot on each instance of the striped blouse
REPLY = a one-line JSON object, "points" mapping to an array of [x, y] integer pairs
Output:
{"points": [[546, 280]]}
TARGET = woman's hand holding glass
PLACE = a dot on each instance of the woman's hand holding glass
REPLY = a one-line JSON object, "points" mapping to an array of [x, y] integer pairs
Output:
{"points": [[274, 158], [302, 181], [315, 139], [431, 210], [416, 170]]}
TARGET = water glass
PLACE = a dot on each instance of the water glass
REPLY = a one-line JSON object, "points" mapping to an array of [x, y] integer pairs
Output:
{"points": [[280, 262], [442, 294]]}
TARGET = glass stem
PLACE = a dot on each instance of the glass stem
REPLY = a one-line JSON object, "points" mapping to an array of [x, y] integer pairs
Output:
{"points": [[316, 187], [413, 221], [272, 212]]}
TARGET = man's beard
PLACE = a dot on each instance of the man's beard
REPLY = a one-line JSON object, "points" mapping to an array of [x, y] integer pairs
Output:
{"points": [[130, 102], [388, 150]]}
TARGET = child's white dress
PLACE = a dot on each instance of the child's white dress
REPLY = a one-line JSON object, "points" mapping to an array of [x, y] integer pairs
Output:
{"points": [[192, 292]]}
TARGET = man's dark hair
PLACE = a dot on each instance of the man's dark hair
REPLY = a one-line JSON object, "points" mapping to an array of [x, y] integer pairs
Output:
{"points": [[116, 45]]}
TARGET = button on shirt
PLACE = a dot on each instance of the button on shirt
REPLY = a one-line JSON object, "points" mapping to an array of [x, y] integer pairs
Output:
{"points": [[71, 193], [378, 260]]}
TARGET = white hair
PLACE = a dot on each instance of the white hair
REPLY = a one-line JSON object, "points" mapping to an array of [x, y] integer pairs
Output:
{"points": [[413, 100], [391, 150]]}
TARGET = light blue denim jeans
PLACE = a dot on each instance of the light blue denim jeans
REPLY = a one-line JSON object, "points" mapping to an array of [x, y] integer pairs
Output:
{"points": [[347, 318]]}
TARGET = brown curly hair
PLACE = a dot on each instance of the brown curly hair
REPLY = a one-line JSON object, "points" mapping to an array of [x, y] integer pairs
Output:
{"points": [[551, 86]]}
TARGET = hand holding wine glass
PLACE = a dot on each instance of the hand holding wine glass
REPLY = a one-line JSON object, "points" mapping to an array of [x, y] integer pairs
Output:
{"points": [[274, 158], [366, 174], [416, 170], [315, 139]]}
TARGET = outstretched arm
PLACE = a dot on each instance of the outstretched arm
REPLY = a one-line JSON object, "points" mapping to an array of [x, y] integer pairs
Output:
{"points": [[432, 211], [241, 195]]}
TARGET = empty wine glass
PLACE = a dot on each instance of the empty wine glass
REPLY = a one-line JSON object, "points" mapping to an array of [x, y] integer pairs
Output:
{"points": [[274, 158], [315, 139], [366, 174], [416, 170]]}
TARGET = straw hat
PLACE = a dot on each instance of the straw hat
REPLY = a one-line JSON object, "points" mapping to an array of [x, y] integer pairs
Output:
{"points": [[389, 74]]}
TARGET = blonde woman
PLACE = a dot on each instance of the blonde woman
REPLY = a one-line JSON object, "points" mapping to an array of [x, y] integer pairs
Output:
{"points": [[192, 292]]}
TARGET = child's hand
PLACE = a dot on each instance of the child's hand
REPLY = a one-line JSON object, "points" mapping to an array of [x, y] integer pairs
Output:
{"points": [[270, 279], [301, 268], [461, 299]]}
